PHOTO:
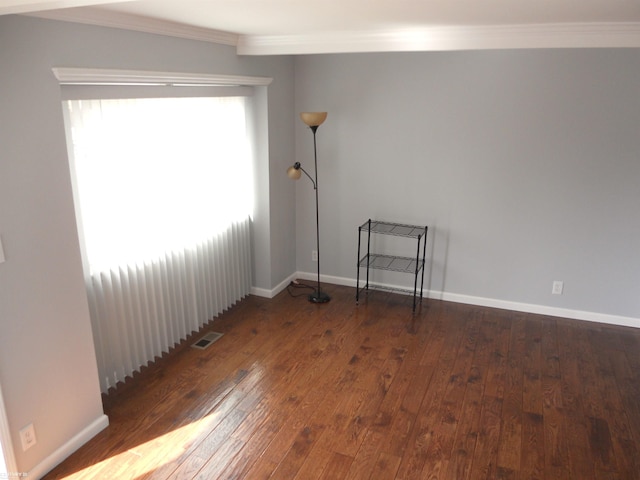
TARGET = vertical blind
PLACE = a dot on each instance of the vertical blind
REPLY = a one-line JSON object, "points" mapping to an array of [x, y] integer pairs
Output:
{"points": [[163, 196]]}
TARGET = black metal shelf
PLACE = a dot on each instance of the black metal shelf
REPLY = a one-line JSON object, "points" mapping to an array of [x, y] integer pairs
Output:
{"points": [[395, 263]]}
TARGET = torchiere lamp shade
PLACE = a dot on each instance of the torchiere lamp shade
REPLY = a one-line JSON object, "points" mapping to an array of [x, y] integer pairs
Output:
{"points": [[313, 119]]}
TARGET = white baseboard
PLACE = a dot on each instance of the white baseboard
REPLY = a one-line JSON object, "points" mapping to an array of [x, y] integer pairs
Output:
{"points": [[263, 292], [495, 303], [6, 447], [347, 282], [69, 447], [539, 309]]}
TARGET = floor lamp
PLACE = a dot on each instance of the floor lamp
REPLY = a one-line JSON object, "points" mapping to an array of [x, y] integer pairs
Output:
{"points": [[313, 121]]}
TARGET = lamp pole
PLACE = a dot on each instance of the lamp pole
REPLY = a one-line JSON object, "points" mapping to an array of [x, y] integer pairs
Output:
{"points": [[317, 296]]}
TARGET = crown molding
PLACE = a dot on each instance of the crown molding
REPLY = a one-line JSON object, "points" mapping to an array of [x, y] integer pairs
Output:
{"points": [[442, 38], [8, 7], [432, 38], [125, 21]]}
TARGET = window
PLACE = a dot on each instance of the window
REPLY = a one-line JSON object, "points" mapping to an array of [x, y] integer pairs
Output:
{"points": [[156, 175], [163, 194]]}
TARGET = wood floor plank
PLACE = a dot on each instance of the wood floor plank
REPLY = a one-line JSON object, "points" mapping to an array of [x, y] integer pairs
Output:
{"points": [[601, 445], [337, 467], [485, 456], [556, 451], [466, 436], [592, 390], [488, 366], [499, 352], [510, 441], [314, 465], [569, 358], [419, 434], [295, 390], [532, 367], [451, 405], [625, 442], [532, 464], [581, 463], [363, 464], [216, 464], [550, 371]]}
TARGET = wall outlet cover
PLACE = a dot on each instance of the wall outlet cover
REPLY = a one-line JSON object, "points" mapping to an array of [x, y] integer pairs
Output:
{"points": [[27, 437], [557, 287]]}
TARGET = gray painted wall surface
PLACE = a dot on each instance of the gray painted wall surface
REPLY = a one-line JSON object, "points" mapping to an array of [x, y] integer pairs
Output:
{"points": [[47, 362], [524, 164]]}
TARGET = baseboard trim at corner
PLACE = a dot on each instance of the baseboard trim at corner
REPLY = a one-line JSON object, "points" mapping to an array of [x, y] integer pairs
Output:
{"points": [[263, 292], [69, 447]]}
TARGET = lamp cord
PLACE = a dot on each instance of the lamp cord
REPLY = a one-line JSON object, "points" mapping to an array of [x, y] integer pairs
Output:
{"points": [[297, 285]]}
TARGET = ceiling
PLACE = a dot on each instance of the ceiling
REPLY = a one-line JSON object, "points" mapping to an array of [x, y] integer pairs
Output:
{"points": [[259, 27]]}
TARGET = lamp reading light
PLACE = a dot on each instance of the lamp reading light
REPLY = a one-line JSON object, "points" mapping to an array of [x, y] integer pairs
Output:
{"points": [[293, 172]]}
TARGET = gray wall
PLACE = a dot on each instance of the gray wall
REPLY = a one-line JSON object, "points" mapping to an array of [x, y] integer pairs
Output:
{"points": [[523, 163], [47, 364]]}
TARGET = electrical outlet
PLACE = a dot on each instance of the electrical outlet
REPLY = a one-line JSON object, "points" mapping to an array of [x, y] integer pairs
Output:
{"points": [[557, 287], [314, 255], [28, 437]]}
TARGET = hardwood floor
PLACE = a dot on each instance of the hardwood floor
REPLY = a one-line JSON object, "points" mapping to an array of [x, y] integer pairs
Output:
{"points": [[295, 390]]}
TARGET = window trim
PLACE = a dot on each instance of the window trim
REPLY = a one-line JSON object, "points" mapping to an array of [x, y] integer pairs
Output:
{"points": [[102, 76]]}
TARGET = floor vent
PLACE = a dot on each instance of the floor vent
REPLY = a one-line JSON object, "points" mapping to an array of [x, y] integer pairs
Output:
{"points": [[207, 340]]}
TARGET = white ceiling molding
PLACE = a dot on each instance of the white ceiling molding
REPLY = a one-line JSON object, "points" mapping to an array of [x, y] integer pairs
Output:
{"points": [[23, 6], [108, 18], [100, 76], [594, 35], [434, 38]]}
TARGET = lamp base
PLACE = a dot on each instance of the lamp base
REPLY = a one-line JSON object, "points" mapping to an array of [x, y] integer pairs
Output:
{"points": [[319, 297]]}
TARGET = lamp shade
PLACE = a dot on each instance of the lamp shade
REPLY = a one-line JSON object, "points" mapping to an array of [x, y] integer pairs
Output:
{"points": [[313, 119], [294, 173]]}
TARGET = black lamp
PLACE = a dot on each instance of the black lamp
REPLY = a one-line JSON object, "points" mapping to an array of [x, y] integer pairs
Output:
{"points": [[313, 120]]}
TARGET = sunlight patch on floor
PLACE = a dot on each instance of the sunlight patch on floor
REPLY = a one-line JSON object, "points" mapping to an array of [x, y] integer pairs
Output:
{"points": [[148, 456]]}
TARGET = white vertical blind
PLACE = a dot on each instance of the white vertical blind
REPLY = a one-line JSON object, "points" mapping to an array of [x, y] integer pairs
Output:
{"points": [[163, 194]]}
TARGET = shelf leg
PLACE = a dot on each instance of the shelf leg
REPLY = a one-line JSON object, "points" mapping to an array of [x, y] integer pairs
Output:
{"points": [[358, 267], [415, 276], [424, 252], [368, 251]]}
